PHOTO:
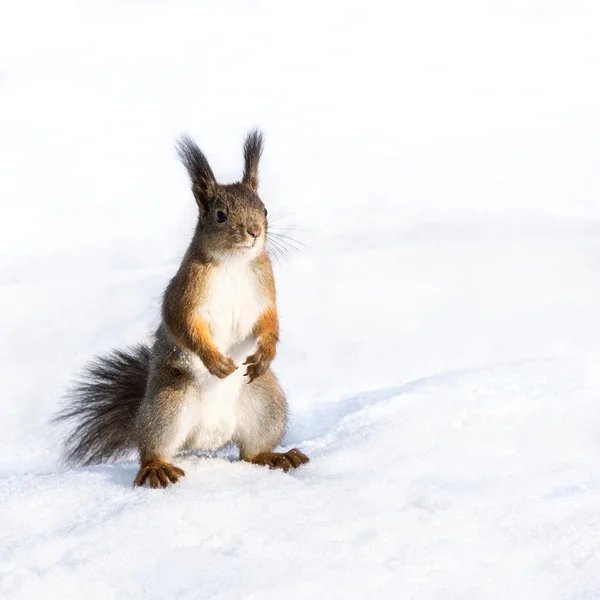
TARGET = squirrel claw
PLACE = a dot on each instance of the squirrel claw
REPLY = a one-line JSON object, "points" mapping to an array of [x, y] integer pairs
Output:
{"points": [[256, 370], [258, 364], [221, 367], [285, 461], [158, 473]]}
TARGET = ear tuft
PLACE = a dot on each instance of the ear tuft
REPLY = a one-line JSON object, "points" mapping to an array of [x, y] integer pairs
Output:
{"points": [[253, 147], [203, 180]]}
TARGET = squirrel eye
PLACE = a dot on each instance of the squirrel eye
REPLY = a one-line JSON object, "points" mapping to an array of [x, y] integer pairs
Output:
{"points": [[266, 212], [221, 216]]}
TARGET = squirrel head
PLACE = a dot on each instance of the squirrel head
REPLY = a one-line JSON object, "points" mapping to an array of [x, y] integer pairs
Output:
{"points": [[233, 219]]}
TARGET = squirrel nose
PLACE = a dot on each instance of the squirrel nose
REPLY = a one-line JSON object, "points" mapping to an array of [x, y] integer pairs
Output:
{"points": [[254, 230]]}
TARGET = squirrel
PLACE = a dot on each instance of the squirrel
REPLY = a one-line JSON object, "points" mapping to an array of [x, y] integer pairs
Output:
{"points": [[206, 381]]}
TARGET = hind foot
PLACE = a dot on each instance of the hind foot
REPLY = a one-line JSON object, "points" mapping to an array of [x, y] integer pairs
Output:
{"points": [[291, 459], [158, 473]]}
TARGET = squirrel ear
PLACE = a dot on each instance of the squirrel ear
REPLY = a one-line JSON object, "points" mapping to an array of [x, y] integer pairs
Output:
{"points": [[204, 184], [253, 147]]}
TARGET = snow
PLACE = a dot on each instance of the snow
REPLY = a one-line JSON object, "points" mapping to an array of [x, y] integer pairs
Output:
{"points": [[440, 329]]}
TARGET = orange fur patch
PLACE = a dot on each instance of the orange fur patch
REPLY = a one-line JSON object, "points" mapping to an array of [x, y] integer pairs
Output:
{"points": [[267, 330]]}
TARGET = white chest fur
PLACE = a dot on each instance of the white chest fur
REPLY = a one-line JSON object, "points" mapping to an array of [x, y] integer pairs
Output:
{"points": [[231, 307], [233, 303]]}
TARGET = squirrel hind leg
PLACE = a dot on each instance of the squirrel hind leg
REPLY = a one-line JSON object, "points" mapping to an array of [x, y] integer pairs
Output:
{"points": [[262, 424], [158, 473], [162, 428], [292, 459]]}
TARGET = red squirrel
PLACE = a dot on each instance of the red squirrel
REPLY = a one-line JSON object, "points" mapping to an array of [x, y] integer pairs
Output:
{"points": [[206, 381]]}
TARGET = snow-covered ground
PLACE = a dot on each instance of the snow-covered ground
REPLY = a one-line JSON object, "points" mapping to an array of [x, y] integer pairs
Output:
{"points": [[440, 326]]}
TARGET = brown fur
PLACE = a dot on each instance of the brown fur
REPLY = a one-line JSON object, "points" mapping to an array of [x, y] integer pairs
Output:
{"points": [[266, 331]]}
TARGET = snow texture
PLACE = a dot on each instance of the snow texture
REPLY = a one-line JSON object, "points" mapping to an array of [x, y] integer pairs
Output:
{"points": [[440, 332]]}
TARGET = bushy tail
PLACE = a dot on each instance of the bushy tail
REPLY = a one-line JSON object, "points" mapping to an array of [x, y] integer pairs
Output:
{"points": [[102, 406]]}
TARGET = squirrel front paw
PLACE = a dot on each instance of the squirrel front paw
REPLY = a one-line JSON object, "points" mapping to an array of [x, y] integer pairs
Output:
{"points": [[258, 363], [219, 365]]}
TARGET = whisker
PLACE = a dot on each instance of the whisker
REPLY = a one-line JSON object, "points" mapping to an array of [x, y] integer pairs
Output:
{"points": [[286, 239], [277, 252], [279, 228], [283, 243], [281, 247]]}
